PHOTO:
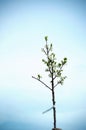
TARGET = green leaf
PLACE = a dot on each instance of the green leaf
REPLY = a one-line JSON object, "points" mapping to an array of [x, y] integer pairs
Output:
{"points": [[39, 76], [59, 73], [43, 50], [51, 47], [50, 75], [46, 38], [46, 70], [59, 64], [44, 61], [65, 59]]}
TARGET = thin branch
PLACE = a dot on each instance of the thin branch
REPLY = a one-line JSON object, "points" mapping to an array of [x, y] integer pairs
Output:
{"points": [[56, 84], [44, 51], [47, 110], [49, 66], [50, 70], [42, 82], [55, 77]]}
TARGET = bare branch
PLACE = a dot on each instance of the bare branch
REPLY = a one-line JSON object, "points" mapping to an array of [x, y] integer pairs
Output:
{"points": [[42, 82], [55, 77], [47, 110], [56, 85]]}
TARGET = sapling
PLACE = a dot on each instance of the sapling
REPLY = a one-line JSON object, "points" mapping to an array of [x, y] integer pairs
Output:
{"points": [[54, 70]]}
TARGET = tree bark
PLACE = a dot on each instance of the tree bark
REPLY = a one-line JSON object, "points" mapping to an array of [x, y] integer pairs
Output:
{"points": [[54, 109], [53, 100]]}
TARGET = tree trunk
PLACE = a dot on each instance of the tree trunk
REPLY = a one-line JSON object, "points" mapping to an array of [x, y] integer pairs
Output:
{"points": [[54, 109], [53, 100]]}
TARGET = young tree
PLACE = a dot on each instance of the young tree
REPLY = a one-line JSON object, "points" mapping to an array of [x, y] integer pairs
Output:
{"points": [[54, 70]]}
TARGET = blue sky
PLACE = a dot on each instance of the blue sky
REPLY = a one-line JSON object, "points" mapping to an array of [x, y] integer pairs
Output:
{"points": [[23, 25]]}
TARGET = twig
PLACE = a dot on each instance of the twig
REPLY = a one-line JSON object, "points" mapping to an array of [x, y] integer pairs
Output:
{"points": [[47, 110], [42, 82], [56, 84]]}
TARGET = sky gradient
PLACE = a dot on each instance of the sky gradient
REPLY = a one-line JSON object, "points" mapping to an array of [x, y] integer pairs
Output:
{"points": [[23, 25]]}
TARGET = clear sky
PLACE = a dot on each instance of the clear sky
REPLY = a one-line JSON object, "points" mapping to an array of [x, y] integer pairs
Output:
{"points": [[23, 25]]}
